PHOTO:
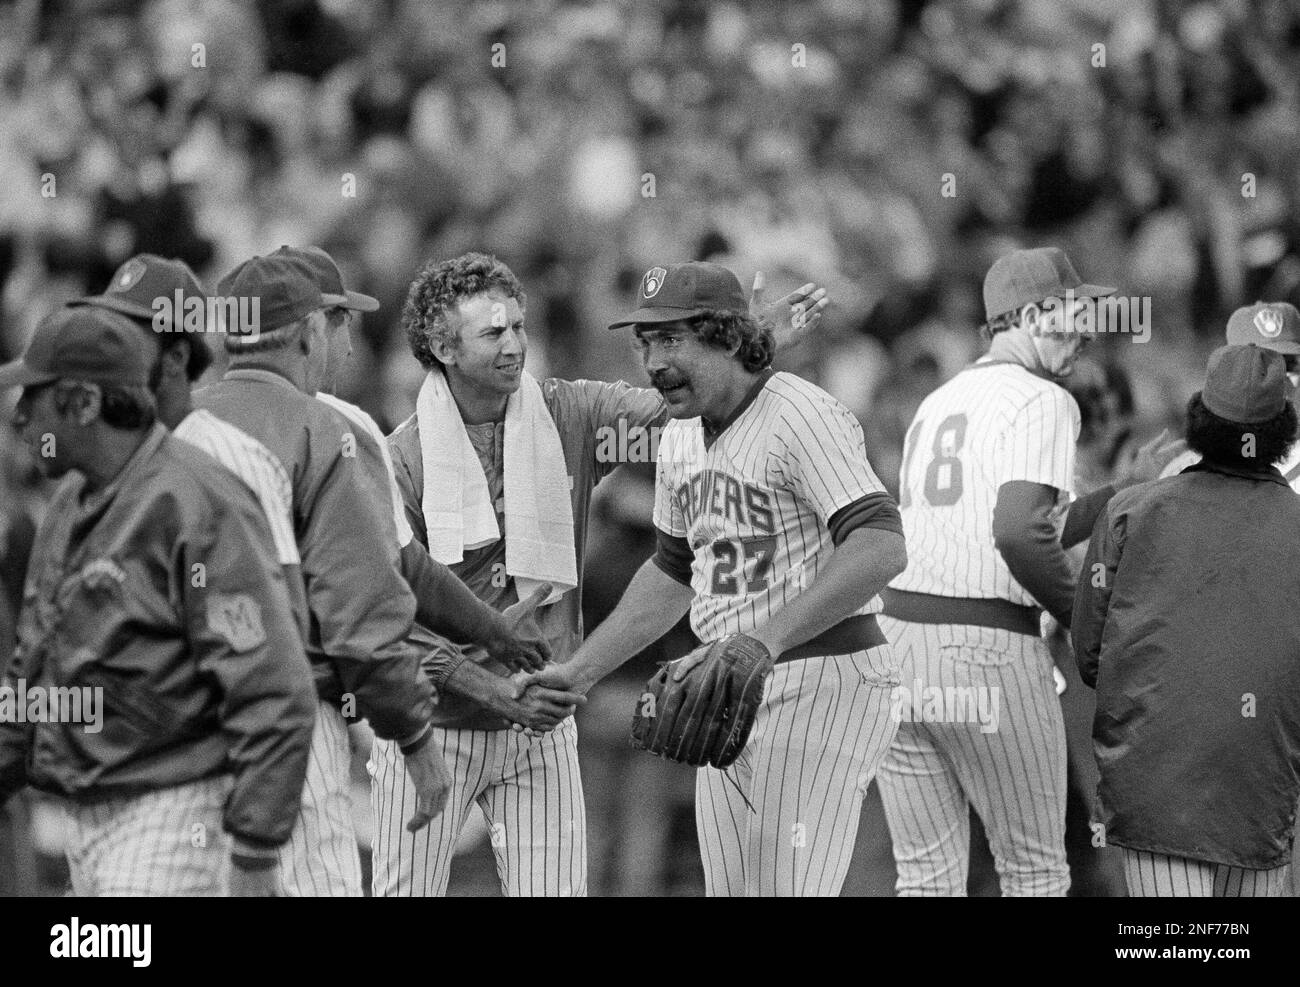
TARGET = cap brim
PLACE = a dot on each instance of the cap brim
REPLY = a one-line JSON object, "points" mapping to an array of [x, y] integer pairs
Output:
{"points": [[1093, 291], [115, 304], [1287, 347], [649, 316], [353, 300], [18, 374]]}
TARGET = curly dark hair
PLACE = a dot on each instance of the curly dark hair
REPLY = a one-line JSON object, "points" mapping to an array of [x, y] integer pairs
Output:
{"points": [[727, 329], [440, 287], [1222, 441]]}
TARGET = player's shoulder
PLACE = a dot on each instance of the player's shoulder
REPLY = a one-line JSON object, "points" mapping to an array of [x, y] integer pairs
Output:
{"points": [[201, 425], [195, 481], [1006, 389], [404, 445], [794, 400]]}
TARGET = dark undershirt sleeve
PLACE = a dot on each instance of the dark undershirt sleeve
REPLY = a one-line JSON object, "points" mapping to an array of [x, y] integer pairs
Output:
{"points": [[875, 510], [673, 556], [1083, 515], [1026, 538]]}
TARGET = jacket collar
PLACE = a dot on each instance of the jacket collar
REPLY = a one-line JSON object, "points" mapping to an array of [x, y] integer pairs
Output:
{"points": [[96, 500], [1270, 473], [256, 373]]}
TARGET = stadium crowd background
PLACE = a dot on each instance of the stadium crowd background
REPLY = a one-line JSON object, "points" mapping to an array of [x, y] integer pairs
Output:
{"points": [[810, 140]]}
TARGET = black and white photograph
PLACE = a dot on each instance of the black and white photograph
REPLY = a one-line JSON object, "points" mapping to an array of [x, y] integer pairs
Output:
{"points": [[682, 448]]}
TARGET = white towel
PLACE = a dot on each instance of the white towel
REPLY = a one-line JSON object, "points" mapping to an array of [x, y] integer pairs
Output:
{"points": [[457, 505]]}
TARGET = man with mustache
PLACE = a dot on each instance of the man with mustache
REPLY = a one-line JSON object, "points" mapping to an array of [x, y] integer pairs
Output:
{"points": [[497, 471], [772, 526]]}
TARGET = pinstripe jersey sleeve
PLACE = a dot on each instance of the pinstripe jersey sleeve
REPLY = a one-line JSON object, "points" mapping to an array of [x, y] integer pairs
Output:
{"points": [[253, 463], [371, 428], [1038, 445]]}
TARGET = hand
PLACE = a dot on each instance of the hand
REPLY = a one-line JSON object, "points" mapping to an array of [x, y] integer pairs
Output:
{"points": [[432, 785], [791, 316], [248, 883], [1151, 460], [537, 708], [523, 646]]}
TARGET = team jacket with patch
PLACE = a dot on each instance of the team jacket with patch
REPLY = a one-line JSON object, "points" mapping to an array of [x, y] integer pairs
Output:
{"points": [[993, 423], [361, 608], [587, 414], [162, 591], [763, 502]]}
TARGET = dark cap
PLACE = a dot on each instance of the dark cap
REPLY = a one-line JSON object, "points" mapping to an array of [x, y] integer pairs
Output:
{"points": [[270, 292], [140, 282], [683, 291], [1246, 384], [1027, 277], [81, 343], [322, 269], [1272, 325]]}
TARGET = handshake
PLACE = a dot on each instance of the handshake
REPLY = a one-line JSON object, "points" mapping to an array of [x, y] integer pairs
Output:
{"points": [[539, 695], [538, 701]]}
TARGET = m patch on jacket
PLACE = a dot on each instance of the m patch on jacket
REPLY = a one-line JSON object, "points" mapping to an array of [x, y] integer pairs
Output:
{"points": [[237, 618]]}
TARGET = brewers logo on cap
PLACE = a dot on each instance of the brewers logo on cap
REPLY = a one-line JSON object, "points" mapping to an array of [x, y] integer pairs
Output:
{"points": [[1269, 323], [653, 281], [128, 274]]}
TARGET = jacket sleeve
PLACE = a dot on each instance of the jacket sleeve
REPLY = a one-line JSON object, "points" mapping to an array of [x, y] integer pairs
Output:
{"points": [[443, 603], [1092, 598], [242, 632], [361, 604]]}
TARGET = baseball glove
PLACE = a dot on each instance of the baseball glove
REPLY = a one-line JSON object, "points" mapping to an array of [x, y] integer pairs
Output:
{"points": [[707, 716]]}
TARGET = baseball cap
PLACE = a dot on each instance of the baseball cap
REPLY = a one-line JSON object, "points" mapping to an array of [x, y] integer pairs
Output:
{"points": [[1246, 384], [81, 343], [322, 269], [683, 291], [1272, 325], [141, 280], [279, 286], [1025, 277]]}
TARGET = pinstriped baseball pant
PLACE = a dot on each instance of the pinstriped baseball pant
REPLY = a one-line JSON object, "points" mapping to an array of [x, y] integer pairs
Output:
{"points": [[819, 737], [321, 858], [167, 843], [530, 791], [1156, 875], [1014, 775]]}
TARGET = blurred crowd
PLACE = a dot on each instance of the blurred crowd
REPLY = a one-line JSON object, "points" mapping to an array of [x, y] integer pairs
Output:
{"points": [[888, 150]]}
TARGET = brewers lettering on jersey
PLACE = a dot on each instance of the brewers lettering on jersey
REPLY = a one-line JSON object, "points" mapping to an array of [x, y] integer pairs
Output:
{"points": [[770, 523]]}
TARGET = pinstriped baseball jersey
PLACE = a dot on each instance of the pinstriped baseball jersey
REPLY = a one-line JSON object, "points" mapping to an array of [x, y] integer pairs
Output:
{"points": [[754, 505], [364, 421], [991, 424], [253, 463]]}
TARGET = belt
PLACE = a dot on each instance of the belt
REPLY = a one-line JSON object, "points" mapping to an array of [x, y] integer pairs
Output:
{"points": [[857, 633], [924, 608]]}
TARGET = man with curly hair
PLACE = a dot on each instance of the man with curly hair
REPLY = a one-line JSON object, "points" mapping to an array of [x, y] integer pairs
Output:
{"points": [[496, 471], [771, 525], [1184, 624]]}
